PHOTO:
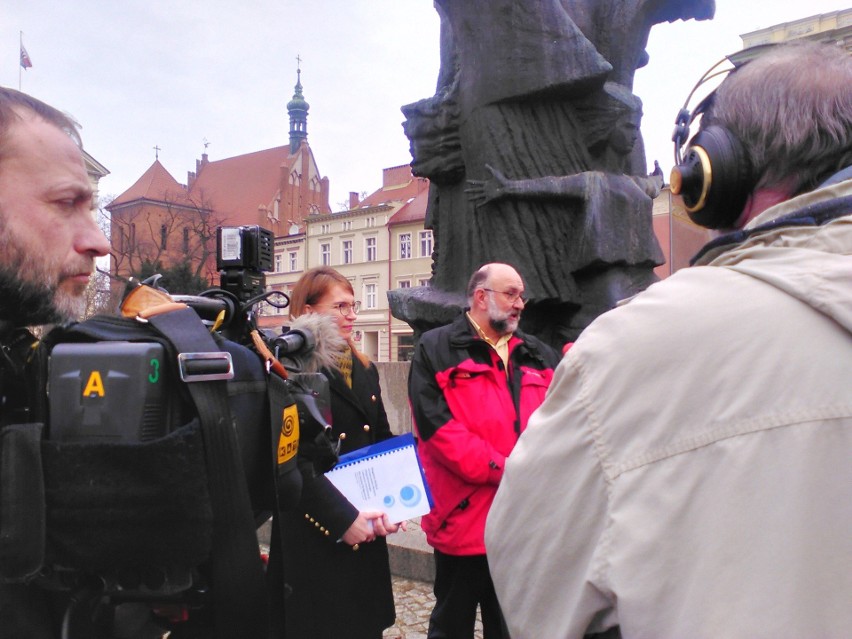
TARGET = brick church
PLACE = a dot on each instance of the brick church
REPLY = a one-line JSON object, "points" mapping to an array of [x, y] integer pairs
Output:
{"points": [[161, 221]]}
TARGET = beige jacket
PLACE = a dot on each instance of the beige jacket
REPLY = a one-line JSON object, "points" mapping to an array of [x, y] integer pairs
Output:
{"points": [[690, 473]]}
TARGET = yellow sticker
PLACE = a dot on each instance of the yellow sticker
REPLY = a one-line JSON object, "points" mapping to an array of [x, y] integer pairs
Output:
{"points": [[95, 385], [288, 440]]}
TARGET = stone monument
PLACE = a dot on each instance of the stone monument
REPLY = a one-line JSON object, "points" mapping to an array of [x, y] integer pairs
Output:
{"points": [[532, 146]]}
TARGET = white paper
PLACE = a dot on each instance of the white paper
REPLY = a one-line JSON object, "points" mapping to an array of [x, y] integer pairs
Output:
{"points": [[389, 481]]}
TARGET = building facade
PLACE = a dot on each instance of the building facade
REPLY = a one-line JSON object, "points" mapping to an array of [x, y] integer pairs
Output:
{"points": [[379, 243], [830, 28]]}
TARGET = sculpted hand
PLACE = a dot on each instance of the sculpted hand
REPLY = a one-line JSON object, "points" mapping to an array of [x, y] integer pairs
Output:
{"points": [[651, 185], [484, 191]]}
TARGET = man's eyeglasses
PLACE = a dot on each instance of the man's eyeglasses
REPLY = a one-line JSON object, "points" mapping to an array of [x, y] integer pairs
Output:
{"points": [[511, 296], [344, 309]]}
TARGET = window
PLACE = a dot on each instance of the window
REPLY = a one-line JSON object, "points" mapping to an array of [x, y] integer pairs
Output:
{"points": [[404, 246], [370, 295], [278, 261], [370, 246], [405, 348], [371, 222], [325, 228], [423, 282], [405, 284], [294, 264], [347, 225], [164, 236], [425, 243], [325, 254], [347, 251]]}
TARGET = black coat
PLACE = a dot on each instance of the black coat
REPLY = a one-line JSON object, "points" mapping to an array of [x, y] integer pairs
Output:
{"points": [[335, 592]]}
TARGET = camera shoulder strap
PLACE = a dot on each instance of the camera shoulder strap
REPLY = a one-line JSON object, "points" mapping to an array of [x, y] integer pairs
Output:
{"points": [[239, 599], [22, 496]]}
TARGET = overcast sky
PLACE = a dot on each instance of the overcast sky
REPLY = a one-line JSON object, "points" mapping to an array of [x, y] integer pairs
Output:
{"points": [[143, 73]]}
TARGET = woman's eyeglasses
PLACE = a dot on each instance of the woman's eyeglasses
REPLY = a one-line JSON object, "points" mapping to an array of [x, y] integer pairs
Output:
{"points": [[344, 308]]}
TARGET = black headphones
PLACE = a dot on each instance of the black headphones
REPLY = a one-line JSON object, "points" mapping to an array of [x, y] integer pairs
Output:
{"points": [[714, 176]]}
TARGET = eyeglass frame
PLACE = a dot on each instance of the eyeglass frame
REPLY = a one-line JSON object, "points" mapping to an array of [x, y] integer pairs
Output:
{"points": [[511, 297], [355, 307]]}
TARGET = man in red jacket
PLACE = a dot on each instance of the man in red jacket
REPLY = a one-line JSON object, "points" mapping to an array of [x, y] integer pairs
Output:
{"points": [[473, 386]]}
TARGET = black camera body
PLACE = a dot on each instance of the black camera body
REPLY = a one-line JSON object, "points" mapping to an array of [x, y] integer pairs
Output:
{"points": [[110, 391], [243, 253]]}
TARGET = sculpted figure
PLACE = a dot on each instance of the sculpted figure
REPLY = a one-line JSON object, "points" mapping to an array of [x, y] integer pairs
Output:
{"points": [[613, 254], [522, 88]]}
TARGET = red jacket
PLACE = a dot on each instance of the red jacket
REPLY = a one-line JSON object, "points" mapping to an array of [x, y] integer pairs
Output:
{"points": [[468, 414]]}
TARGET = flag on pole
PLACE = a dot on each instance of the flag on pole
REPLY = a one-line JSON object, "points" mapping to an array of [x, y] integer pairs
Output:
{"points": [[26, 63]]}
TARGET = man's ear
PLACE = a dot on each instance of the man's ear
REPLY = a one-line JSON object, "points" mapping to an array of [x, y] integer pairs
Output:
{"points": [[479, 296]]}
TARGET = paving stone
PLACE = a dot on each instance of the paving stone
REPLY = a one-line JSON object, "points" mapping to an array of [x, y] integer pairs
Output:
{"points": [[414, 601]]}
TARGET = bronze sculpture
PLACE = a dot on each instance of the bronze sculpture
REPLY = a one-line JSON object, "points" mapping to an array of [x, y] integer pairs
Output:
{"points": [[532, 146]]}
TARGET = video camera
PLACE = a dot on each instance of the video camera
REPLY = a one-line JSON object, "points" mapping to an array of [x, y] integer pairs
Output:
{"points": [[139, 408], [134, 444]]}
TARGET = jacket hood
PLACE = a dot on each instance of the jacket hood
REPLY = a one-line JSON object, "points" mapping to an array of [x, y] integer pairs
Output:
{"points": [[802, 247]]}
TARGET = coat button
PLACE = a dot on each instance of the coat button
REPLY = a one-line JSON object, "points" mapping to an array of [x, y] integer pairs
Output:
{"points": [[372, 398], [366, 428], [342, 436]]}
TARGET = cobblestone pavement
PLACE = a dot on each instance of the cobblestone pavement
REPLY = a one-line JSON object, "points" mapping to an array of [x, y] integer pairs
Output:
{"points": [[414, 601]]}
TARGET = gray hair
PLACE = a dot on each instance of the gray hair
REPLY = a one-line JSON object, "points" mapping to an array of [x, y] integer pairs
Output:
{"points": [[791, 108], [13, 103], [476, 281]]}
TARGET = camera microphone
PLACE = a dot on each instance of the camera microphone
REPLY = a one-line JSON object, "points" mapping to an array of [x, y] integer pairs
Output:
{"points": [[313, 342], [294, 341]]}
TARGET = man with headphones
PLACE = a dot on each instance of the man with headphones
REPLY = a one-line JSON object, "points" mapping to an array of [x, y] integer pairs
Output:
{"points": [[689, 473]]}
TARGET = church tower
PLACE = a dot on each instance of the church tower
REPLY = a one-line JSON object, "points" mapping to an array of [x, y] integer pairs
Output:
{"points": [[298, 110]]}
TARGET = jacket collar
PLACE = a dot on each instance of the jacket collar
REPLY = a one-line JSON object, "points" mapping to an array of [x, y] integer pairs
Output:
{"points": [[831, 200], [463, 335], [337, 384]]}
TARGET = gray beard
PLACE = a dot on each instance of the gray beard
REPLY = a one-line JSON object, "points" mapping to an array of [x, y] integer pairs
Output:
{"points": [[499, 326], [24, 303]]}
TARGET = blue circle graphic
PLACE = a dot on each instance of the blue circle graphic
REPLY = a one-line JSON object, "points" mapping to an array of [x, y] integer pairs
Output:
{"points": [[409, 495], [388, 501]]}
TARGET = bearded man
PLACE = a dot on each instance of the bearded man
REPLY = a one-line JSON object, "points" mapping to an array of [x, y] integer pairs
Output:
{"points": [[473, 385], [48, 244]]}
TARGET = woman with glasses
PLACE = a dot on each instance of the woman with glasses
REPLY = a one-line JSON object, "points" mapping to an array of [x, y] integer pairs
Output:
{"points": [[335, 559]]}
